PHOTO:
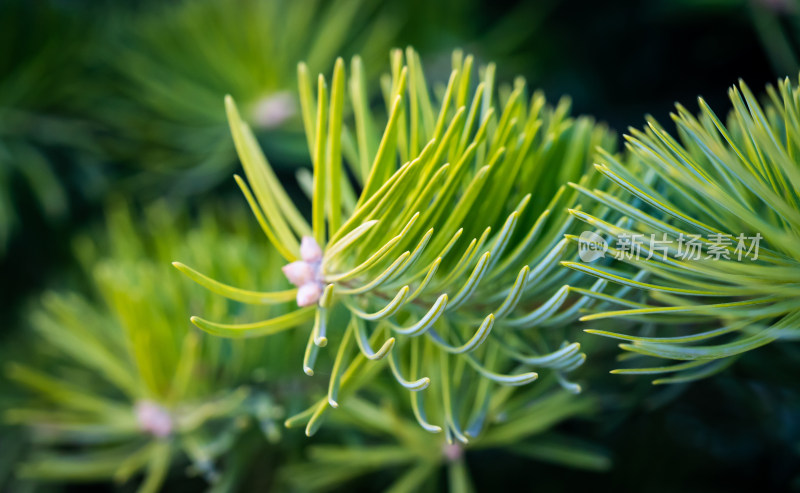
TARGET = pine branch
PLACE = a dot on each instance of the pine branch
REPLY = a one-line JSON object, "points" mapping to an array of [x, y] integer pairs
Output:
{"points": [[724, 202], [176, 61], [450, 246], [130, 387]]}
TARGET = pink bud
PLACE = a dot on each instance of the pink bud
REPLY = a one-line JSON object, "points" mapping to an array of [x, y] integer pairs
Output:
{"points": [[153, 419], [308, 294], [452, 451], [310, 250], [299, 272], [273, 110]]}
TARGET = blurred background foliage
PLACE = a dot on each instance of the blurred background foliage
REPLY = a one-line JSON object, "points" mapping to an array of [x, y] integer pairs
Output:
{"points": [[105, 98], [173, 61], [120, 382]]}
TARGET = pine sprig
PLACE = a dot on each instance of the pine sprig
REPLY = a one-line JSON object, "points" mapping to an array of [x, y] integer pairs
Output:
{"points": [[444, 249], [733, 190], [130, 388], [175, 62], [399, 449]]}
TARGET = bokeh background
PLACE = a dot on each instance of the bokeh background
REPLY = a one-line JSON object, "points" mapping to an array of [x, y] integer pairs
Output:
{"points": [[108, 101]]}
